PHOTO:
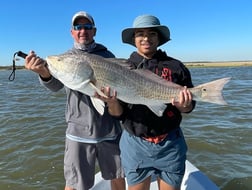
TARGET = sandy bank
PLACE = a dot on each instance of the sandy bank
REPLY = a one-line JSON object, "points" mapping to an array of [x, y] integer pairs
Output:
{"points": [[219, 64]]}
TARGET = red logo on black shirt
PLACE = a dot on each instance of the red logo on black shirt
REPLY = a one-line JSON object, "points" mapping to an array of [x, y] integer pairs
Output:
{"points": [[166, 74], [169, 113]]}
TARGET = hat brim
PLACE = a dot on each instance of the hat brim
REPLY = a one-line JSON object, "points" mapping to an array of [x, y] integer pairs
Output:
{"points": [[164, 34]]}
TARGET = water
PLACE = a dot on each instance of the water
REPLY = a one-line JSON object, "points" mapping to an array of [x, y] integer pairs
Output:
{"points": [[32, 132]]}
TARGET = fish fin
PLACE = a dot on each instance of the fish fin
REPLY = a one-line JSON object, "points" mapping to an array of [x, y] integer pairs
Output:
{"points": [[98, 104], [212, 91], [119, 61], [98, 90], [157, 109]]}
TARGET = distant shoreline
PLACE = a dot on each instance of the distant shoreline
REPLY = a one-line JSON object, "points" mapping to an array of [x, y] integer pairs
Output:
{"points": [[219, 64], [10, 67], [188, 64]]}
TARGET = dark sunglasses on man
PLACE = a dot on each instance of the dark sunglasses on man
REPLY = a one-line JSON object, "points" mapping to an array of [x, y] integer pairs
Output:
{"points": [[83, 26]]}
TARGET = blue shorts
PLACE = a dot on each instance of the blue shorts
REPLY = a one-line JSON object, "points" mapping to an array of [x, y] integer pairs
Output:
{"points": [[142, 159]]}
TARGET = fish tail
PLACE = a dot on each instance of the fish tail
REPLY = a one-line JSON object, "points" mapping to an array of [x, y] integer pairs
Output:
{"points": [[211, 91]]}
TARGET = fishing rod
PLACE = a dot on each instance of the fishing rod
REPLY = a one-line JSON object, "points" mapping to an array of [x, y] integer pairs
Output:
{"points": [[20, 54]]}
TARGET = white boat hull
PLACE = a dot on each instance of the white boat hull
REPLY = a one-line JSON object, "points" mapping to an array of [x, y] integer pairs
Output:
{"points": [[193, 179]]}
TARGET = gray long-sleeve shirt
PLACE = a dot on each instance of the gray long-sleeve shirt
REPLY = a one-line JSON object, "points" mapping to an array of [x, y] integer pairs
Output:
{"points": [[84, 123]]}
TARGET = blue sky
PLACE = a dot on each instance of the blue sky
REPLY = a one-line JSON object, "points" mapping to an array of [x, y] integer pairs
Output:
{"points": [[201, 30]]}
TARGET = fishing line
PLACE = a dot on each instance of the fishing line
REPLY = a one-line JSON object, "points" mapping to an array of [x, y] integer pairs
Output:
{"points": [[13, 73]]}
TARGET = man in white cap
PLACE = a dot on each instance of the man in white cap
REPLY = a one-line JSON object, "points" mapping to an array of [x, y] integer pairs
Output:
{"points": [[152, 145], [89, 136]]}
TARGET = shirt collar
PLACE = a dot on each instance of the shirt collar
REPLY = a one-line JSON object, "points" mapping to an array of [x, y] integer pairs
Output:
{"points": [[87, 48]]}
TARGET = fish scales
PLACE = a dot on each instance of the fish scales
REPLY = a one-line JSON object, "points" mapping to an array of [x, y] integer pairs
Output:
{"points": [[88, 73], [113, 77], [106, 74]]}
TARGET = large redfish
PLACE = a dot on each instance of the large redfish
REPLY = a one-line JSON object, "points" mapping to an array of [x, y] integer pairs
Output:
{"points": [[87, 73]]}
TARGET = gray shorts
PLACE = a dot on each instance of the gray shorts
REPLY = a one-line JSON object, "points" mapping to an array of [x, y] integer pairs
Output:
{"points": [[80, 162]]}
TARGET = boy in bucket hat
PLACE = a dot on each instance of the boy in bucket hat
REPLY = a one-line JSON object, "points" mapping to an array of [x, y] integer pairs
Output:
{"points": [[89, 135], [146, 21], [152, 145]]}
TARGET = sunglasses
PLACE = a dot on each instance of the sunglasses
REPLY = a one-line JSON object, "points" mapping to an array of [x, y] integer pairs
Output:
{"points": [[83, 26]]}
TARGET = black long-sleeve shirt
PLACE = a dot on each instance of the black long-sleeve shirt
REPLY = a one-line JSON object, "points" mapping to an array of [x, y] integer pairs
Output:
{"points": [[139, 119]]}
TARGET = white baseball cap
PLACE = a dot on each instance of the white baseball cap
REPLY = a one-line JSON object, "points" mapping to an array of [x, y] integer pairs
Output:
{"points": [[82, 14]]}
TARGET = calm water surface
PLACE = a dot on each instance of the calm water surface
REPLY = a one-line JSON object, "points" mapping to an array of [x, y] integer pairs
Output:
{"points": [[32, 132]]}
